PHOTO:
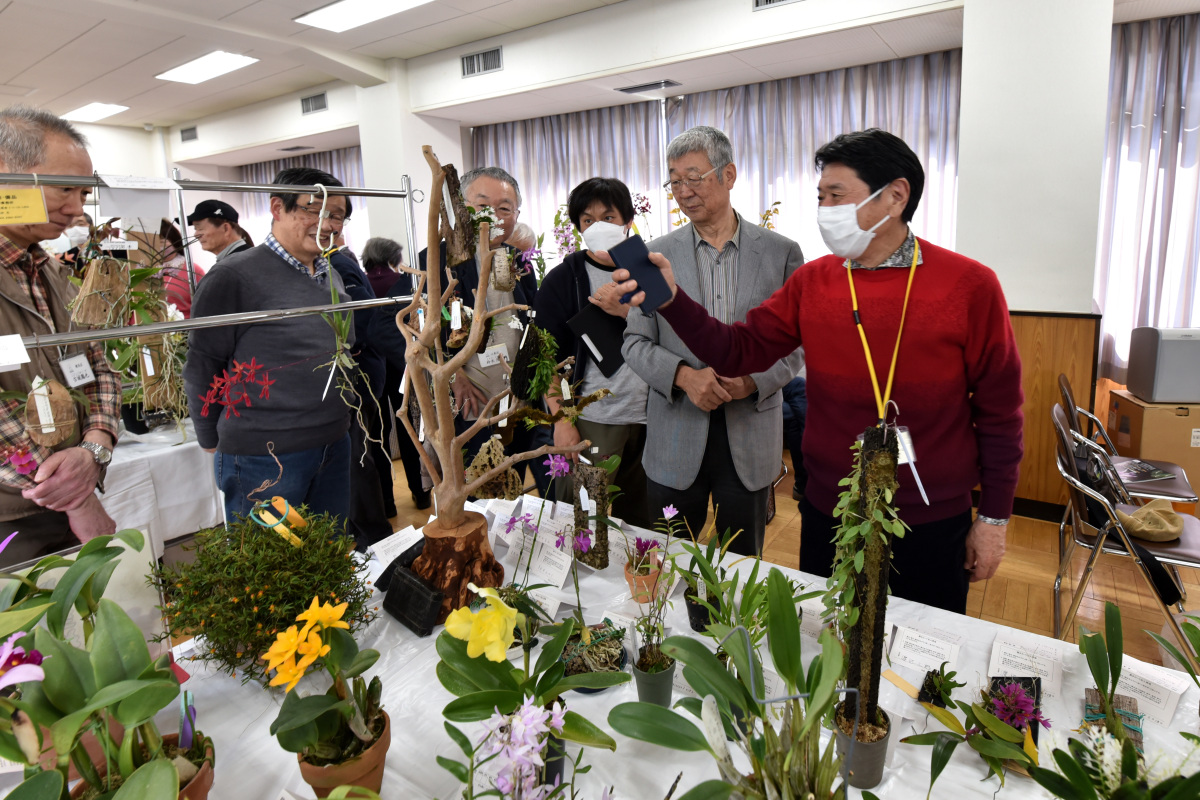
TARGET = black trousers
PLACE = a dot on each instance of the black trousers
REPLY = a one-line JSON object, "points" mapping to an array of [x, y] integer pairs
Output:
{"points": [[927, 563], [738, 508]]}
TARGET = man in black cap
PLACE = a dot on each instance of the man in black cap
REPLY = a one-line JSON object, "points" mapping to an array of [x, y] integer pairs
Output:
{"points": [[217, 229]]}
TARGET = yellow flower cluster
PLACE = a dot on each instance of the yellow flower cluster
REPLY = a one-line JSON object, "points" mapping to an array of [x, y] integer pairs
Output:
{"points": [[488, 631], [306, 642]]}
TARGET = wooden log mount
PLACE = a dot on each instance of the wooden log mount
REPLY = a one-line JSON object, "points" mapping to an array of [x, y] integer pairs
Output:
{"points": [[595, 480], [455, 557]]}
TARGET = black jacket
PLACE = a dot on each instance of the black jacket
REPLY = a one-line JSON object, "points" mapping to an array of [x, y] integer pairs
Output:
{"points": [[563, 293], [369, 359]]}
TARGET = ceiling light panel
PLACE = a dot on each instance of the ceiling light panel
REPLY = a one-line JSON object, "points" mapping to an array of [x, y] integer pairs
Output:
{"points": [[347, 14], [207, 67], [93, 112]]}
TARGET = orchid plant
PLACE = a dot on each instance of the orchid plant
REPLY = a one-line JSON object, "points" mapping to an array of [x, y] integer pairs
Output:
{"points": [[651, 619], [1097, 765]]}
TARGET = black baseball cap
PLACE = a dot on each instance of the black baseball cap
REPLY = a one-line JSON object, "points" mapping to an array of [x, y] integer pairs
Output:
{"points": [[213, 209]]}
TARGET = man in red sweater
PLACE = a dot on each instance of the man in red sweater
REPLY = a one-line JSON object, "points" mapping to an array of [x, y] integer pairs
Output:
{"points": [[957, 384]]}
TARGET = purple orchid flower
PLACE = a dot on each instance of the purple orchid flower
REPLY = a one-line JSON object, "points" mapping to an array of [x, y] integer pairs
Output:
{"points": [[17, 665], [1015, 707], [558, 465]]}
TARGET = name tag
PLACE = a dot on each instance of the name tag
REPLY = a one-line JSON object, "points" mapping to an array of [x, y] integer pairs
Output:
{"points": [[491, 356], [77, 371]]}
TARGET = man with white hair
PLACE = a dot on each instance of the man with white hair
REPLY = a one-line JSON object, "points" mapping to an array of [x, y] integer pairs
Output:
{"points": [[708, 435], [48, 493]]}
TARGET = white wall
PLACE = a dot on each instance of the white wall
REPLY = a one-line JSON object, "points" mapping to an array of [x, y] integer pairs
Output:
{"points": [[1031, 145], [124, 151]]}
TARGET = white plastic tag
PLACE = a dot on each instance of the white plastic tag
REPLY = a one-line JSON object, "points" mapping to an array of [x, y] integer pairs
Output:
{"points": [[595, 353], [448, 205], [76, 370], [585, 502], [456, 315], [12, 352], [503, 410], [907, 453], [118, 244], [148, 361], [420, 319], [491, 356], [421, 431], [524, 335], [701, 589], [566, 389], [41, 396]]}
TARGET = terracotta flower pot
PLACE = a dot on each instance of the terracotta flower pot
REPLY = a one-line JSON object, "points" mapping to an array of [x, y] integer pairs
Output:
{"points": [[642, 587], [195, 789], [365, 770]]}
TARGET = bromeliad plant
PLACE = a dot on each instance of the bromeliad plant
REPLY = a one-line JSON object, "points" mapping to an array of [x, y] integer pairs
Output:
{"points": [[474, 666], [779, 737], [342, 723], [1098, 766]]}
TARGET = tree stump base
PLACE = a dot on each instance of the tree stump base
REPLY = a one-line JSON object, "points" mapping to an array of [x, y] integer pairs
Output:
{"points": [[455, 557]]}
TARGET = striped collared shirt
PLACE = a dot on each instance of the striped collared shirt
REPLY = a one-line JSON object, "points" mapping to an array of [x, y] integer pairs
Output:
{"points": [[718, 273], [901, 258], [320, 263]]}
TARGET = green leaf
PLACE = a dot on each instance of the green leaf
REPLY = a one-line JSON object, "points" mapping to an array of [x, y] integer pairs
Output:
{"points": [[1165, 644], [141, 706], [710, 790], [1092, 646], [657, 725], [363, 661], [480, 705], [455, 768], [23, 618], [118, 647], [860, 559], [300, 738], [297, 711], [483, 673], [1114, 641], [460, 739], [155, 780], [72, 583], [942, 750], [1187, 789], [72, 681], [42, 786], [998, 749], [544, 691], [1053, 782], [824, 675], [454, 681], [701, 661], [589, 680], [946, 718], [783, 630], [580, 731], [1073, 772], [996, 726], [554, 648]]}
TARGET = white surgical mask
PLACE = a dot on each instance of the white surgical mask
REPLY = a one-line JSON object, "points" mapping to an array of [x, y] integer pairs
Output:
{"points": [[840, 230], [604, 236], [77, 235]]}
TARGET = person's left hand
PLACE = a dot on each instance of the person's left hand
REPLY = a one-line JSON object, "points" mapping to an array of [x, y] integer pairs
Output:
{"points": [[65, 480], [608, 297], [739, 388], [985, 549]]}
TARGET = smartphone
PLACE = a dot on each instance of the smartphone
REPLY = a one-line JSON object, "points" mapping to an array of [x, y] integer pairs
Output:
{"points": [[632, 255]]}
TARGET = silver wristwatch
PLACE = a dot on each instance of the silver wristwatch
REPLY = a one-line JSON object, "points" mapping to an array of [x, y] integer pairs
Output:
{"points": [[991, 520], [103, 458]]}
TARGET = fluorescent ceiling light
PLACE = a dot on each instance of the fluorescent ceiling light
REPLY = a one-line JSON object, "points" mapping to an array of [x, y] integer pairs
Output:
{"points": [[347, 14], [207, 67], [93, 112]]}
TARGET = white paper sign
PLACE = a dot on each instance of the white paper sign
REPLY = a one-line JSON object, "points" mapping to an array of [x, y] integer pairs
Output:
{"points": [[137, 182], [389, 549], [491, 356], [919, 649], [76, 370], [1018, 657], [549, 565], [548, 599], [810, 623], [1156, 689], [12, 352], [680, 684], [503, 410]]}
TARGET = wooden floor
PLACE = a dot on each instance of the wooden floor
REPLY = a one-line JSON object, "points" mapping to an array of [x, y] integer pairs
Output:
{"points": [[1019, 596]]}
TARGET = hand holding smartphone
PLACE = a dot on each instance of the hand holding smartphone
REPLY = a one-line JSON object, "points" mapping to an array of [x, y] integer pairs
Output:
{"points": [[633, 255]]}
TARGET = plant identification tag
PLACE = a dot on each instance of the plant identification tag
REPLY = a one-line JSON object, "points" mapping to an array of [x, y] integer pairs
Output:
{"points": [[420, 319], [456, 315], [566, 389], [76, 370], [41, 396], [12, 352], [503, 410], [118, 244], [148, 361], [586, 502], [681, 686], [491, 356], [550, 564], [701, 589], [22, 206]]}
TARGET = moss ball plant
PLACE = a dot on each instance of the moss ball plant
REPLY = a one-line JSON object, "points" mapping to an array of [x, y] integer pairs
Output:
{"points": [[247, 583]]}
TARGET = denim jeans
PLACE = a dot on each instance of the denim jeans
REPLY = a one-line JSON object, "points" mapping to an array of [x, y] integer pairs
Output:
{"points": [[318, 477]]}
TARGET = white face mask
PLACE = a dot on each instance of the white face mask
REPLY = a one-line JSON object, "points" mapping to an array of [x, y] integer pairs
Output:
{"points": [[840, 230], [77, 235], [604, 236]]}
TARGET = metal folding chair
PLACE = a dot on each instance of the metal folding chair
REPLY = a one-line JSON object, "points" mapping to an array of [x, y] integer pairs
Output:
{"points": [[1185, 551]]}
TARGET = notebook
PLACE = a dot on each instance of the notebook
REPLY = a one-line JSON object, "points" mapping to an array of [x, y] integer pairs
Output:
{"points": [[602, 335]]}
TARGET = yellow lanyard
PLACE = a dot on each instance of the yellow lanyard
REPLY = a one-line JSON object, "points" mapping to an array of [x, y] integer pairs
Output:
{"points": [[881, 400]]}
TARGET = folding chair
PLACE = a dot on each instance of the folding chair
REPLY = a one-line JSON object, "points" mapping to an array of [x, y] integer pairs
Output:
{"points": [[1111, 537], [1176, 489]]}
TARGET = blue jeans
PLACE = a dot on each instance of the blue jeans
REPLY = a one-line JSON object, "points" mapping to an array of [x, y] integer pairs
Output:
{"points": [[318, 477]]}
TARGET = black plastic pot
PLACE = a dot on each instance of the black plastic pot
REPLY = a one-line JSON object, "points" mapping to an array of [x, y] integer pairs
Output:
{"points": [[555, 761], [698, 615], [131, 415], [865, 761], [655, 687]]}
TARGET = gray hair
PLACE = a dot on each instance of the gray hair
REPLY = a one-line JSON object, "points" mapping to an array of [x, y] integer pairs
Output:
{"points": [[23, 134], [706, 139], [491, 172], [380, 251]]}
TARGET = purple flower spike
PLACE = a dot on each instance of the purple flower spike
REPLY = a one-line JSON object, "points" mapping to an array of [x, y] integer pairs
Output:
{"points": [[1013, 706], [583, 541], [559, 466], [670, 511], [562, 537]]}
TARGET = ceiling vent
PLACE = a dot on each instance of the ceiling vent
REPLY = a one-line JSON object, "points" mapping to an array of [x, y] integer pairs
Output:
{"points": [[482, 63], [296, 148], [642, 88], [188, 134], [759, 5], [313, 104]]}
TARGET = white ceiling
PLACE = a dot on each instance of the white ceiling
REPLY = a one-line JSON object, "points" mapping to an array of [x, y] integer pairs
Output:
{"points": [[62, 54]]}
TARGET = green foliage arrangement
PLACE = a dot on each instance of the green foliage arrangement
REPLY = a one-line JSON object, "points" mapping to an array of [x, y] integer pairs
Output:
{"points": [[994, 740], [247, 584], [1192, 633], [940, 685], [1098, 766], [1104, 655], [534, 367]]}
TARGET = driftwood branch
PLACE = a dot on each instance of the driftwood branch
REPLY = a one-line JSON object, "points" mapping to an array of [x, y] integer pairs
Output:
{"points": [[517, 458]]}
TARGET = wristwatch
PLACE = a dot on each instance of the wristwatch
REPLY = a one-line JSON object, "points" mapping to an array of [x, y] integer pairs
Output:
{"points": [[991, 520], [103, 458]]}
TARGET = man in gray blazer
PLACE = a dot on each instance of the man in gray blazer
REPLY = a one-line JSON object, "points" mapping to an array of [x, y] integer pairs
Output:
{"points": [[708, 435]]}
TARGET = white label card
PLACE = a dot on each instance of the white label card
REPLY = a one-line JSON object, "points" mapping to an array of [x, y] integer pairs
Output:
{"points": [[491, 356], [456, 315], [1156, 689], [148, 360], [41, 395], [7, 766], [12, 352], [420, 319], [1195, 437], [680, 684], [137, 182], [550, 565], [503, 410], [1017, 657], [566, 389], [810, 623], [76, 370], [922, 650], [118, 244], [549, 602], [389, 549]]}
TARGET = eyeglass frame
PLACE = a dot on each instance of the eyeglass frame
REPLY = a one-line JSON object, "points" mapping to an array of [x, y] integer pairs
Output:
{"points": [[337, 219], [691, 183]]}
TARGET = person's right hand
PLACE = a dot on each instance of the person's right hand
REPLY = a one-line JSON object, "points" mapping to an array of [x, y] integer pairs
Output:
{"points": [[469, 397], [567, 435], [703, 387], [626, 284], [89, 520]]}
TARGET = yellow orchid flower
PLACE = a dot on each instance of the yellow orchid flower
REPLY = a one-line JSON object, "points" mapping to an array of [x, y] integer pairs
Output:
{"points": [[288, 672], [283, 648], [310, 649], [489, 631], [322, 616]]}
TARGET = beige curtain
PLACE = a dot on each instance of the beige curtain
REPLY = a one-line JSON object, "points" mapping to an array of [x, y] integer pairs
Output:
{"points": [[1146, 272], [345, 164]]}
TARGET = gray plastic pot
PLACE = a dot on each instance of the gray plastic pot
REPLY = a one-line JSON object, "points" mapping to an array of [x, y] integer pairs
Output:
{"points": [[654, 687], [865, 764]]}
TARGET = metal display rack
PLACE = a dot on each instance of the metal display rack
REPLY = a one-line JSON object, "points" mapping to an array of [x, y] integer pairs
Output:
{"points": [[74, 337]]}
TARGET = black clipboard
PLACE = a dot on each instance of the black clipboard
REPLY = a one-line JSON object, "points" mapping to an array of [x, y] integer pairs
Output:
{"points": [[633, 255], [602, 335]]}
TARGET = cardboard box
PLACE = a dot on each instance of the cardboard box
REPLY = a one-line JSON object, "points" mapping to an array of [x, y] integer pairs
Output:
{"points": [[1159, 431]]}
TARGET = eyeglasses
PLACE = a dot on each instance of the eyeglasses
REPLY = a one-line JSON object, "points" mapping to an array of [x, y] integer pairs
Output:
{"points": [[335, 218], [691, 183]]}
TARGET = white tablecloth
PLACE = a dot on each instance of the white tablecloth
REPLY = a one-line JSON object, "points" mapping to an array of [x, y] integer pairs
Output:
{"points": [[250, 763], [162, 483]]}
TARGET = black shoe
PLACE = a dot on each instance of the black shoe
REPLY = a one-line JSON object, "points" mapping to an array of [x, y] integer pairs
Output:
{"points": [[422, 500]]}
